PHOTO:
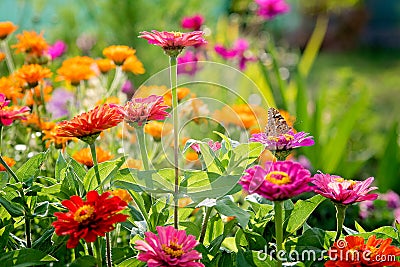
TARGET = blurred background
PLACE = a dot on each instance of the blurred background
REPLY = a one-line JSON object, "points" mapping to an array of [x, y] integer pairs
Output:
{"points": [[345, 91]]}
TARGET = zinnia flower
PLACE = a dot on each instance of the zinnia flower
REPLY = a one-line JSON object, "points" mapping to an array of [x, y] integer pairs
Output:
{"points": [[88, 125], [9, 114], [133, 64], [173, 42], [158, 129], [343, 191], [31, 43], [9, 161], [57, 49], [84, 156], [269, 9], [213, 145], [105, 65], [238, 51], [76, 69], [182, 92], [6, 28], [353, 251], [187, 64], [11, 88], [193, 23], [142, 110], [33, 74], [170, 247], [285, 141], [50, 136], [122, 194], [118, 53], [89, 219], [279, 180]]}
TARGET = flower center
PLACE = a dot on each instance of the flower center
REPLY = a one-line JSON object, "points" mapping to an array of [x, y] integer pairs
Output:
{"points": [[83, 213], [177, 34], [278, 177], [174, 249]]}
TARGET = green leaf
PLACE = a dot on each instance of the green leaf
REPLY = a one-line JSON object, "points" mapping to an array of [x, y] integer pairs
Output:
{"points": [[242, 156], [41, 209], [87, 261], [227, 207], [302, 210], [107, 170], [211, 161], [4, 178], [4, 234], [25, 257], [132, 262], [15, 209], [60, 164], [359, 227], [31, 168]]}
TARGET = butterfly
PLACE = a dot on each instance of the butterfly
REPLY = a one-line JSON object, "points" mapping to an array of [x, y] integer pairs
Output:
{"points": [[276, 125]]}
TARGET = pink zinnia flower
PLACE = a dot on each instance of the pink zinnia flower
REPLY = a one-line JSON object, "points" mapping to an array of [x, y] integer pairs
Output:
{"points": [[188, 63], [213, 145], [283, 142], [9, 114], [392, 199], [193, 23], [343, 191], [279, 180], [173, 42], [397, 215], [57, 49], [269, 9], [142, 110], [238, 51], [170, 248]]}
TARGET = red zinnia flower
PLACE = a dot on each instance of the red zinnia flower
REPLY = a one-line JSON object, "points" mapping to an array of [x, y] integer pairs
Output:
{"points": [[173, 42], [141, 110], [170, 248], [352, 251], [9, 114], [343, 191], [89, 219], [87, 126]]}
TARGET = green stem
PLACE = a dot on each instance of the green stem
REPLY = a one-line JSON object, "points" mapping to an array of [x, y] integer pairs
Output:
{"points": [[174, 85], [28, 231], [204, 225], [278, 207], [9, 60], [142, 146], [340, 215], [108, 250], [95, 165], [98, 252], [117, 77]]}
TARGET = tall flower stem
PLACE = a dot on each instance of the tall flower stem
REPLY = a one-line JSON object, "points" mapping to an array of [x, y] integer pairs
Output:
{"points": [[117, 78], [95, 164], [142, 146], [108, 250], [174, 85], [98, 252], [9, 60], [204, 225], [28, 230], [278, 208], [340, 215]]}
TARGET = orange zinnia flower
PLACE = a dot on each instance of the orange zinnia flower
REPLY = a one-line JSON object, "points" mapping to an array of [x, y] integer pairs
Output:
{"points": [[118, 53], [181, 91], [132, 164], [9, 161], [76, 69], [133, 65], [31, 43], [32, 74], [88, 125], [50, 136], [109, 100], [6, 28], [105, 65], [11, 88], [242, 115], [353, 251], [122, 194], [84, 156], [157, 129], [35, 95]]}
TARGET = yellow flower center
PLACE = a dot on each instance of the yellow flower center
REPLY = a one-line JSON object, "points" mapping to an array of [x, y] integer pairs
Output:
{"points": [[83, 213], [287, 137], [174, 249], [373, 250], [341, 180], [278, 177], [177, 34]]}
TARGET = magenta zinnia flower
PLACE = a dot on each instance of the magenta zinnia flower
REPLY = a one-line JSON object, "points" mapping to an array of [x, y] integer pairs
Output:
{"points": [[269, 9], [188, 63], [173, 42], [343, 191], [9, 114], [239, 51], [170, 248], [285, 141], [193, 23], [279, 180], [213, 145], [57, 49], [142, 110]]}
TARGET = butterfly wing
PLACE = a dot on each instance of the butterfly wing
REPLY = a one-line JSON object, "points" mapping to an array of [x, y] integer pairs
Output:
{"points": [[276, 125]]}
